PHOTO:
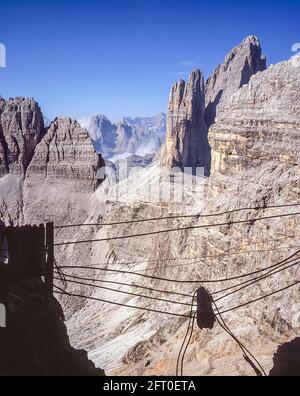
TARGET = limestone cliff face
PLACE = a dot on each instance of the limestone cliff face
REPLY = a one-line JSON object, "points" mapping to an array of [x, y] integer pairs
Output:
{"points": [[239, 65], [62, 175], [66, 154], [42, 170], [21, 129], [47, 175], [186, 141], [259, 124], [255, 151], [194, 106]]}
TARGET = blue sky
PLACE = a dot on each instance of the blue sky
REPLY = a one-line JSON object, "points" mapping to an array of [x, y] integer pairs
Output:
{"points": [[121, 57]]}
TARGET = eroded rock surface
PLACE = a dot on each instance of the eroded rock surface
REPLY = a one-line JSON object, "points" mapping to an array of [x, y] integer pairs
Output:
{"points": [[62, 175], [256, 123], [186, 140], [66, 154], [21, 129], [239, 65], [259, 124], [47, 173]]}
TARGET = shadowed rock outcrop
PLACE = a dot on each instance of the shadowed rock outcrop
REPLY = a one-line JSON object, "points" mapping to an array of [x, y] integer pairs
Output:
{"points": [[35, 340], [186, 141], [287, 359], [239, 65]]}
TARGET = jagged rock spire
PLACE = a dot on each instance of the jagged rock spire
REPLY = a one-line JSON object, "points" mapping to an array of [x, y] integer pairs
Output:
{"points": [[239, 65], [66, 154], [21, 129], [186, 141]]}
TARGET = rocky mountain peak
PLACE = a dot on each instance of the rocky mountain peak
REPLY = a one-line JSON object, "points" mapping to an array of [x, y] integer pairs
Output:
{"points": [[66, 153], [21, 129], [124, 133], [239, 65], [186, 141], [64, 167], [102, 133], [140, 135]]}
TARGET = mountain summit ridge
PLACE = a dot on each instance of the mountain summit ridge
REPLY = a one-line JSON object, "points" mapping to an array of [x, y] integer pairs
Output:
{"points": [[139, 135]]}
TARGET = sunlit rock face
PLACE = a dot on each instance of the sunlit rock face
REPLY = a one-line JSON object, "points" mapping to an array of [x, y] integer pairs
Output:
{"points": [[62, 174], [259, 124], [255, 164], [21, 129], [186, 141], [239, 65], [65, 153], [41, 169]]}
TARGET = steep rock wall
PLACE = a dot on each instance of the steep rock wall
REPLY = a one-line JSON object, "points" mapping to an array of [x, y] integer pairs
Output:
{"points": [[239, 65], [186, 140]]}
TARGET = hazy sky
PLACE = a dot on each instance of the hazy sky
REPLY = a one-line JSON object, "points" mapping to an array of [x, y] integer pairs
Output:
{"points": [[120, 57]]}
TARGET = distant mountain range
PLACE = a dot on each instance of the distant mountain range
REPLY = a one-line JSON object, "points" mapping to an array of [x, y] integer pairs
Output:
{"points": [[138, 136]]}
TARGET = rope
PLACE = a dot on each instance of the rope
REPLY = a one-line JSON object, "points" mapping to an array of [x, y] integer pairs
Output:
{"points": [[245, 351], [127, 293], [130, 285], [186, 334], [179, 280], [209, 257], [64, 292], [176, 229], [187, 344], [256, 280], [260, 298], [176, 216]]}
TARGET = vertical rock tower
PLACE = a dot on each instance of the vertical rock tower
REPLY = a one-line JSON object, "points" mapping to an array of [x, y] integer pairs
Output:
{"points": [[21, 129], [186, 140], [239, 65]]}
